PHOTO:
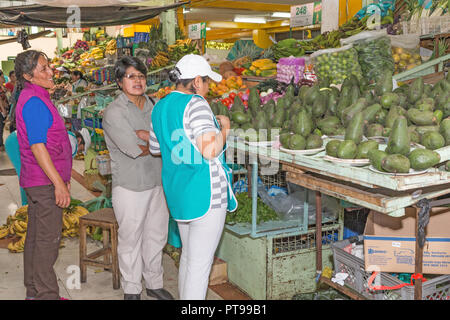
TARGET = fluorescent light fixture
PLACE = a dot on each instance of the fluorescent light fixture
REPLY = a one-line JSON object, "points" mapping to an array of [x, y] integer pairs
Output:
{"points": [[186, 10], [281, 15], [208, 28], [250, 19]]}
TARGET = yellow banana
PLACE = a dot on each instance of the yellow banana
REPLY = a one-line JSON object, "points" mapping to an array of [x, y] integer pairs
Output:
{"points": [[11, 228], [4, 232], [23, 224], [66, 223]]}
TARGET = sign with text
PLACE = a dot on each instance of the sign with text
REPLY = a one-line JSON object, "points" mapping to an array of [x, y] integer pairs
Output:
{"points": [[197, 31], [306, 14]]}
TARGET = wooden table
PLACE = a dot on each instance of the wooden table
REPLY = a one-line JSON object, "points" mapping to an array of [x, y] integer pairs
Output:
{"points": [[388, 194]]}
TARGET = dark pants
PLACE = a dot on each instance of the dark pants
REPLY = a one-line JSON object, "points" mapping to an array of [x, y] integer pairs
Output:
{"points": [[42, 243]]}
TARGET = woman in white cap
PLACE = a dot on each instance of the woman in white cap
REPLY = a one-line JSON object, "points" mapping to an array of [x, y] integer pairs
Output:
{"points": [[195, 178]]}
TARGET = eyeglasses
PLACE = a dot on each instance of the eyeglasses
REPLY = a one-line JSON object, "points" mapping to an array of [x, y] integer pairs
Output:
{"points": [[135, 76]]}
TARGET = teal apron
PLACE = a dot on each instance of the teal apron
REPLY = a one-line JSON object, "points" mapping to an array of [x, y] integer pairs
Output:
{"points": [[185, 174]]}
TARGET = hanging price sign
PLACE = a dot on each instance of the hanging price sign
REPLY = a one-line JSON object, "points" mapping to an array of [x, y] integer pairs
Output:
{"points": [[306, 14], [197, 31]]}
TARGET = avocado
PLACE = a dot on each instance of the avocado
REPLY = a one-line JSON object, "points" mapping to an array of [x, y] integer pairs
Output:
{"points": [[374, 130], [332, 147], [399, 141], [355, 129], [303, 123], [332, 102], [380, 117], [312, 94], [270, 107], [238, 105], [239, 117], [389, 99], [396, 163], [445, 130], [415, 91], [364, 148], [421, 159], [376, 158], [260, 121], [330, 121], [385, 84], [313, 141], [347, 149], [421, 130], [349, 113], [278, 118], [371, 112], [319, 106], [414, 136], [254, 100], [393, 114], [432, 140], [284, 139], [297, 142]]}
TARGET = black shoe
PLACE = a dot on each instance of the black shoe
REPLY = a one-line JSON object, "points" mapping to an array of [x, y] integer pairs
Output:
{"points": [[160, 294], [128, 296]]}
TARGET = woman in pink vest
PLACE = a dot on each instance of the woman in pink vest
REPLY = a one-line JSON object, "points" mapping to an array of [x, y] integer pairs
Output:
{"points": [[46, 164]]}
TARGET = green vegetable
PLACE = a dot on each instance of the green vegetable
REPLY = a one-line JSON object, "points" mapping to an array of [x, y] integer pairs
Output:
{"points": [[243, 213]]}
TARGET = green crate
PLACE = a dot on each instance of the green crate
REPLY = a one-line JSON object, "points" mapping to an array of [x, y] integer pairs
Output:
{"points": [[276, 267]]}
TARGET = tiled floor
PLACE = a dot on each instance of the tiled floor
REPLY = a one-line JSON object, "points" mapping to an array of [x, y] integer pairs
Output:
{"points": [[99, 282]]}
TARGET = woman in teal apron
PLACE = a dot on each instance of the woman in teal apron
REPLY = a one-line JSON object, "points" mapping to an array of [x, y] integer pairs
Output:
{"points": [[195, 177]]}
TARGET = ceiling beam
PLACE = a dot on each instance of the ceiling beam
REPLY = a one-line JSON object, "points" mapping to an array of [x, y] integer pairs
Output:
{"points": [[242, 25], [242, 5]]}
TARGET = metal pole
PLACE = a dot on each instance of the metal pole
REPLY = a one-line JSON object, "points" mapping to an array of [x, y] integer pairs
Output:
{"points": [[318, 231], [418, 262], [254, 196]]}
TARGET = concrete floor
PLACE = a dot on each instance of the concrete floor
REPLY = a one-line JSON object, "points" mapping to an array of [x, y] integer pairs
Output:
{"points": [[99, 282]]}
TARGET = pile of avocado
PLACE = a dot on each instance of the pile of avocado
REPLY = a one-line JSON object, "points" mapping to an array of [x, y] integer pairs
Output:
{"points": [[410, 113], [416, 112]]}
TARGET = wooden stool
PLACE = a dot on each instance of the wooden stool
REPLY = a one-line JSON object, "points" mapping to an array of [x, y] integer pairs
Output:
{"points": [[105, 219]]}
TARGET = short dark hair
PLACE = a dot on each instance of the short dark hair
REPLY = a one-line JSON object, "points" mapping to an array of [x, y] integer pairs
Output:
{"points": [[11, 73], [123, 64], [25, 63], [78, 73]]}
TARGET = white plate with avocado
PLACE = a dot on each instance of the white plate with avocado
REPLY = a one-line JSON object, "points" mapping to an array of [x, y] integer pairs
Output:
{"points": [[306, 152], [411, 172], [352, 162]]}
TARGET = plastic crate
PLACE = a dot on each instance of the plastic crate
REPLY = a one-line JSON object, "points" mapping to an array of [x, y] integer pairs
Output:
{"points": [[437, 288]]}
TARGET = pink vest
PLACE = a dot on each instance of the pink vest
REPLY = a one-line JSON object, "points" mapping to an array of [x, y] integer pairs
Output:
{"points": [[58, 144]]}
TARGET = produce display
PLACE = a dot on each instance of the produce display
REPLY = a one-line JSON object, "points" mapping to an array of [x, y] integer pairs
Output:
{"points": [[260, 68], [225, 86], [17, 224], [374, 57], [335, 65], [243, 213], [405, 59]]}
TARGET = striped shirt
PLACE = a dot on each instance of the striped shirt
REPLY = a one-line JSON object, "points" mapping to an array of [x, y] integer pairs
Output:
{"points": [[198, 119]]}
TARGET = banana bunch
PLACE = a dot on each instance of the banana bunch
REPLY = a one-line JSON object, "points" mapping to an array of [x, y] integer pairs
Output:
{"points": [[181, 48], [71, 220], [111, 47], [161, 60], [96, 53], [17, 225]]}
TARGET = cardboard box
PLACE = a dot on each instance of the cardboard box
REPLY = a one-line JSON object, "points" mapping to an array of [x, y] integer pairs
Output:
{"points": [[218, 273], [389, 242]]}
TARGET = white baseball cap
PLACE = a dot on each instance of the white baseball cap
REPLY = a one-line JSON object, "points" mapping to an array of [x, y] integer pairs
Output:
{"points": [[87, 139], [193, 65]]}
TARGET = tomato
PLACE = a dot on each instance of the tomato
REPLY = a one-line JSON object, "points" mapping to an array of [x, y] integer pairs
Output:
{"points": [[227, 101], [248, 91], [245, 103], [232, 95]]}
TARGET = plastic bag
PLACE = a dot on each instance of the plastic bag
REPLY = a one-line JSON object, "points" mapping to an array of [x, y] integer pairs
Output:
{"points": [[335, 65], [405, 51], [374, 53], [63, 110], [291, 206]]}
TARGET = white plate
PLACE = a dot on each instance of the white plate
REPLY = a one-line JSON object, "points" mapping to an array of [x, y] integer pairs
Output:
{"points": [[259, 143], [306, 152], [411, 172], [352, 162]]}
